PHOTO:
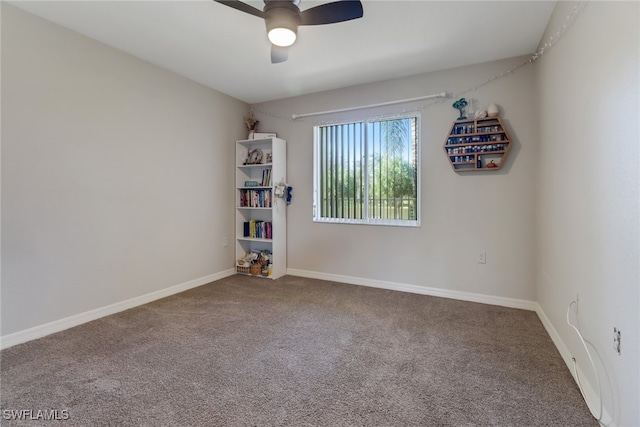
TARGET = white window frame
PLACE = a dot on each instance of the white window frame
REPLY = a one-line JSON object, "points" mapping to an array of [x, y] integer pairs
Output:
{"points": [[366, 220]]}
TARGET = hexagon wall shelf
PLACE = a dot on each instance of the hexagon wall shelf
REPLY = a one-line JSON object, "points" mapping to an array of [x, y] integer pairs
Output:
{"points": [[477, 144]]}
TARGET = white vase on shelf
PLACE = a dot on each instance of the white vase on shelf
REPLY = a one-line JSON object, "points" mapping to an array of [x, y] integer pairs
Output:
{"points": [[471, 112], [492, 110]]}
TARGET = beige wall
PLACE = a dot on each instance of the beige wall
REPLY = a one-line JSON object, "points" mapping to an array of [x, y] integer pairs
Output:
{"points": [[117, 182], [462, 214], [588, 211], [115, 175]]}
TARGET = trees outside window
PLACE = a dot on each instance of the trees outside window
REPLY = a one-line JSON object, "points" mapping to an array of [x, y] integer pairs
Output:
{"points": [[368, 172]]}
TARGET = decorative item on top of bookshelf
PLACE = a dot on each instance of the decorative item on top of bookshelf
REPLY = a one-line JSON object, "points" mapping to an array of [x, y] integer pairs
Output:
{"points": [[252, 124], [479, 144], [264, 135]]}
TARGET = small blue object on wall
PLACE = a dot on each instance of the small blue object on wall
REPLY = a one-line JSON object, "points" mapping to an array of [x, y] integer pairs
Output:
{"points": [[289, 195]]}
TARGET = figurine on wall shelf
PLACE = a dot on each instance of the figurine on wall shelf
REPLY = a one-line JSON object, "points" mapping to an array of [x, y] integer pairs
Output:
{"points": [[492, 110], [460, 104]]}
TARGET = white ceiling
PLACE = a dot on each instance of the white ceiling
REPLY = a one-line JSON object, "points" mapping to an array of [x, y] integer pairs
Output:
{"points": [[228, 50]]}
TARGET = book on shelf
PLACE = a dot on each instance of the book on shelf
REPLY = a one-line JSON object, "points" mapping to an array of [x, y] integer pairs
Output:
{"points": [[261, 198], [258, 229], [266, 177], [267, 199]]}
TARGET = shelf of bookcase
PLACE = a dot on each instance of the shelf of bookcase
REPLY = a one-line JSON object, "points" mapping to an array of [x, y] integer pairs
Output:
{"points": [[254, 239], [256, 165]]}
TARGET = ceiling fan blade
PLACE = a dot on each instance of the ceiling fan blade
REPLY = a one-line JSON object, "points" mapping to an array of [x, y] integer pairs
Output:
{"points": [[330, 13], [279, 54], [242, 7]]}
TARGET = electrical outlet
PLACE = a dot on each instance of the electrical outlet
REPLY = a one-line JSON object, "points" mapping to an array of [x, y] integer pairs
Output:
{"points": [[225, 242], [616, 340], [482, 258]]}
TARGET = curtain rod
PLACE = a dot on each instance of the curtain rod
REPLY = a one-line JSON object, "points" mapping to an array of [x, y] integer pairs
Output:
{"points": [[362, 107]]}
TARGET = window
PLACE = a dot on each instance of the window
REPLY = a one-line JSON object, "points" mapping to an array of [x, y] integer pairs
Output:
{"points": [[367, 172]]}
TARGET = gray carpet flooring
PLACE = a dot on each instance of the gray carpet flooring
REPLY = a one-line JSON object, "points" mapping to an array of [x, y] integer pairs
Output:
{"points": [[246, 351]]}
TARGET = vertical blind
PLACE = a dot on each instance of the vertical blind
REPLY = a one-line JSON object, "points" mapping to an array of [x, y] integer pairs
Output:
{"points": [[368, 171], [342, 180]]}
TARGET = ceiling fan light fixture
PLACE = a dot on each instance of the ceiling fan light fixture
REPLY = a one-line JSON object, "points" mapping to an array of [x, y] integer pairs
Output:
{"points": [[282, 36], [282, 22], [283, 17]]}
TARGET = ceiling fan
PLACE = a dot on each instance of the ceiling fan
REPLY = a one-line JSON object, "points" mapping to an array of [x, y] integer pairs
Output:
{"points": [[283, 17]]}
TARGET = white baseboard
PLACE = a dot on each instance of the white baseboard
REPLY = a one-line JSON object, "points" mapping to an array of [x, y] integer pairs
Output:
{"points": [[69, 322], [415, 289], [555, 337], [590, 394], [78, 319]]}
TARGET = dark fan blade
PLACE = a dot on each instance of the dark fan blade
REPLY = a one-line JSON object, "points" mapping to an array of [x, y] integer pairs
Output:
{"points": [[242, 7], [279, 54], [330, 13]]}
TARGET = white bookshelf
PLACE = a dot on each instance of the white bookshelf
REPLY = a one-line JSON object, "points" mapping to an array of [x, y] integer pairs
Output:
{"points": [[260, 204]]}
